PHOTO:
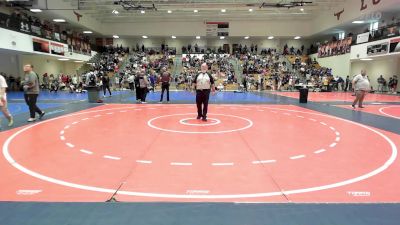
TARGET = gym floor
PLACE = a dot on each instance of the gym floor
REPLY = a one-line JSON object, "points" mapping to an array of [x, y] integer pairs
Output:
{"points": [[255, 148]]}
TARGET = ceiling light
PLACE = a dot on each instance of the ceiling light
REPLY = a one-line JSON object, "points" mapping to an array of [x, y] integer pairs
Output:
{"points": [[63, 59], [250, 10], [115, 12], [87, 32], [59, 20], [196, 11], [302, 9], [144, 37], [270, 37], [297, 37], [35, 10], [358, 22], [169, 11], [115, 36], [78, 61], [366, 59], [142, 11], [222, 38], [197, 37], [223, 10], [173, 37], [247, 37]]}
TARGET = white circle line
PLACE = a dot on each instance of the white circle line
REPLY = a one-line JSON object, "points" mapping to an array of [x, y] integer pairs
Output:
{"points": [[387, 114], [149, 123], [378, 170], [217, 121]]}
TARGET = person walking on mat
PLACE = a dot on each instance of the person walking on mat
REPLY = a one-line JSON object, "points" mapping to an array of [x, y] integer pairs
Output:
{"points": [[361, 87], [203, 83], [31, 89], [165, 79], [3, 101]]}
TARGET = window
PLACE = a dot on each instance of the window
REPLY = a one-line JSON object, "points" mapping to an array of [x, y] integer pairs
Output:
{"points": [[373, 26], [341, 35]]}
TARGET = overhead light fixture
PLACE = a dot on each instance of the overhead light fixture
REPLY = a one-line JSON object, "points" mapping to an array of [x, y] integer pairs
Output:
{"points": [[35, 10], [297, 37], [78, 61], [63, 59], [222, 38], [173, 37], [250, 10], [115, 12], [270, 37], [358, 21], [115, 36], [87, 32], [223, 10], [142, 11], [247, 37], [196, 11], [197, 37], [366, 59], [144, 36], [169, 11], [302, 9], [59, 20]]}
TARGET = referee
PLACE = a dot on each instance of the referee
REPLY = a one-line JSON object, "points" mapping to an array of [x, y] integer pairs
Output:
{"points": [[203, 83]]}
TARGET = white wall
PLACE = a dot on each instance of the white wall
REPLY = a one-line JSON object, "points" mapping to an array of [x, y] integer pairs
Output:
{"points": [[49, 65], [9, 63], [387, 67], [340, 65]]}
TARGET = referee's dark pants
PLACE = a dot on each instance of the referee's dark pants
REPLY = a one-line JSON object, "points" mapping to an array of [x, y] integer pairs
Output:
{"points": [[164, 87], [30, 100], [202, 97]]}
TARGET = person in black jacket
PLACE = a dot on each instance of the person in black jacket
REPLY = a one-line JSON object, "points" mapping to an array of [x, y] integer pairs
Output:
{"points": [[106, 84]]}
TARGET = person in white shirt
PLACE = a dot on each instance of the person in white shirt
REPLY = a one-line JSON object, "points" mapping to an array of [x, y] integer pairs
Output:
{"points": [[203, 83], [3, 101], [361, 86]]}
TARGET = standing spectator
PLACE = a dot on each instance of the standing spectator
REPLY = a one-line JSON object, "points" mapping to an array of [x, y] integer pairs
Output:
{"points": [[361, 86], [31, 89], [3, 101], [165, 79], [131, 81], [203, 83], [106, 84], [381, 83], [142, 82], [393, 84]]}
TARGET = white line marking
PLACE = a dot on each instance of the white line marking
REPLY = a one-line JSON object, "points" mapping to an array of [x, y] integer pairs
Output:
{"points": [[337, 133], [381, 110], [260, 110], [28, 192], [274, 111], [66, 127], [364, 176], [222, 164], [75, 122], [297, 157], [111, 157], [62, 138], [314, 120], [85, 119], [151, 108], [333, 144], [332, 128], [144, 161], [180, 164], [97, 115], [137, 109], [123, 111], [264, 161], [62, 132], [86, 151], [301, 117], [70, 145], [323, 123], [247, 109], [287, 114], [320, 151], [109, 113], [337, 139]]}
